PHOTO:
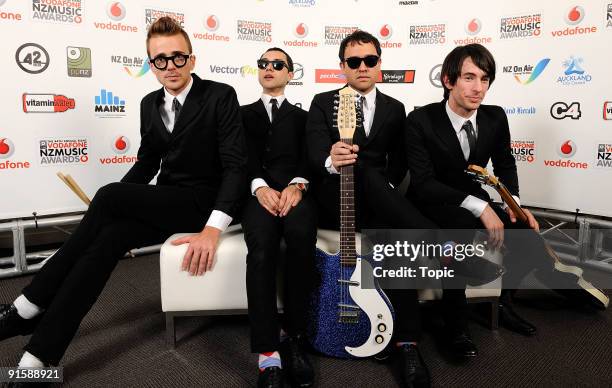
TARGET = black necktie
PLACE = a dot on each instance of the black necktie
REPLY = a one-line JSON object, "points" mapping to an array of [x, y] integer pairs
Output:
{"points": [[360, 114], [471, 136], [274, 109], [176, 107]]}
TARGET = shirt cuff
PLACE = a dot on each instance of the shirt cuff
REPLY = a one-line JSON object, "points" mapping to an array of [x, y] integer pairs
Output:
{"points": [[257, 183], [475, 205], [517, 199], [219, 220], [330, 167]]}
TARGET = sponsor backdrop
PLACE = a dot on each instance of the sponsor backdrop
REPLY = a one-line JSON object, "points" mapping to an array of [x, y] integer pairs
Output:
{"points": [[75, 70]]}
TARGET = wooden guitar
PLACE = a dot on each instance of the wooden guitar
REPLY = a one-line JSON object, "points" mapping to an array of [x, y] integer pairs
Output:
{"points": [[593, 294], [346, 320]]}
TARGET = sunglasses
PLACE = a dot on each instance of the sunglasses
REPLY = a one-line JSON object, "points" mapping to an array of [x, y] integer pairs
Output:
{"points": [[161, 62], [355, 62], [276, 64]]}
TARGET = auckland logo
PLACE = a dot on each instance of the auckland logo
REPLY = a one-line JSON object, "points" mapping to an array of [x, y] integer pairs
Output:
{"points": [[574, 74], [115, 11]]}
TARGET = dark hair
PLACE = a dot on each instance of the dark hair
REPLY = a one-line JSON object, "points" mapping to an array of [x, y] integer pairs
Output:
{"points": [[454, 61], [289, 60], [166, 26], [358, 36]]}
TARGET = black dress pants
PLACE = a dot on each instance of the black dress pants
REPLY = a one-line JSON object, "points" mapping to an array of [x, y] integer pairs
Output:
{"points": [[122, 216], [263, 233]]}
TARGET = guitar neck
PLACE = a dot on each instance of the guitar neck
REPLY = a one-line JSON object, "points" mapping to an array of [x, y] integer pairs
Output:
{"points": [[348, 253], [509, 200]]}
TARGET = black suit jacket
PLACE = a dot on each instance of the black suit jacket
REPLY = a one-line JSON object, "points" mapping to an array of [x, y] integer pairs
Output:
{"points": [[382, 149], [205, 151], [436, 162], [276, 152]]}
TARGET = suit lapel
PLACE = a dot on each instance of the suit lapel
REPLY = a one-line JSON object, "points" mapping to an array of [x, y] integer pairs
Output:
{"points": [[157, 120], [483, 123], [260, 109], [380, 115], [283, 111], [445, 131], [192, 106]]}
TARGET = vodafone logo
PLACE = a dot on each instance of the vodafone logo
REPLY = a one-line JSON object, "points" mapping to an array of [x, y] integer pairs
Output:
{"points": [[211, 23], [567, 149], [385, 32], [473, 26], [115, 11], [574, 15], [121, 145], [6, 148], [301, 30]]}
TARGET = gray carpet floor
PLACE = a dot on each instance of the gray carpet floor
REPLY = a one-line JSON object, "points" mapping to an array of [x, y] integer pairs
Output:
{"points": [[121, 343]]}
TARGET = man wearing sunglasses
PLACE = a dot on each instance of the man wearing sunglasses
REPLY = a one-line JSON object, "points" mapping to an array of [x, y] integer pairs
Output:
{"points": [[193, 136], [380, 166], [279, 207]]}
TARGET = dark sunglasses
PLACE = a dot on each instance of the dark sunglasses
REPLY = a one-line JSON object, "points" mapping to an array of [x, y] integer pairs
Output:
{"points": [[161, 62], [355, 62], [276, 64]]}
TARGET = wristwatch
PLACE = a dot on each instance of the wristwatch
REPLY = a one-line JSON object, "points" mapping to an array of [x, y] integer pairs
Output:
{"points": [[301, 186]]}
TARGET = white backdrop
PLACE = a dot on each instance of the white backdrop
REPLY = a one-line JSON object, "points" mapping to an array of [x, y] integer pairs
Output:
{"points": [[84, 47]]}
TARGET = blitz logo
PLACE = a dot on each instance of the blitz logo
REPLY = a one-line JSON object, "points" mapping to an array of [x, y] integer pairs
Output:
{"points": [[560, 110]]}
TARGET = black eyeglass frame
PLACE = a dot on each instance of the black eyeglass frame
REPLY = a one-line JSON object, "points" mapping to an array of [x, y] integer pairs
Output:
{"points": [[169, 58], [369, 60], [277, 64]]}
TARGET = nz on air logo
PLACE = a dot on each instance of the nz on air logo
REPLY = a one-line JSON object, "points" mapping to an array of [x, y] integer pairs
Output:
{"points": [[574, 74], [530, 71], [79, 61], [135, 67]]}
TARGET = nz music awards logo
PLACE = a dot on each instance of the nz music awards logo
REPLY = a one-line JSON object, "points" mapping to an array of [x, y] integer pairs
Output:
{"points": [[333, 35], [573, 18], [523, 150], [46, 103], [609, 16], [526, 74], [120, 146], [300, 31], [64, 12], [108, 105], [211, 24], [8, 15], [79, 61], [63, 151], [574, 73], [472, 28], [604, 156], [427, 34], [7, 149], [384, 34], [32, 58], [566, 150], [152, 15], [298, 74], [135, 67], [524, 26], [116, 12], [254, 31]]}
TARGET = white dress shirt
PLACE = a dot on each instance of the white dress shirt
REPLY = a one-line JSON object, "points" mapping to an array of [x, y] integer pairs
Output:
{"points": [[259, 182], [369, 107]]}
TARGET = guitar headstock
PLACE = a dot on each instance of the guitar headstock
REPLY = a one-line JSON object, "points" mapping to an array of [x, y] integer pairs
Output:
{"points": [[481, 175], [346, 115]]}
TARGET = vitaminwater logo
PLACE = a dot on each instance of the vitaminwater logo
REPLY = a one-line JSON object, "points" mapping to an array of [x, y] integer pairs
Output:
{"points": [[46, 103]]}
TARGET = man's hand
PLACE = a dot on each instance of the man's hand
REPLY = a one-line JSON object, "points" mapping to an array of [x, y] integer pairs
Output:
{"points": [[269, 199], [494, 226], [343, 154], [533, 224], [290, 197], [202, 247]]}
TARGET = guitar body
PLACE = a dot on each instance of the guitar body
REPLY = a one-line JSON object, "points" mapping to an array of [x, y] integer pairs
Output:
{"points": [[366, 333]]}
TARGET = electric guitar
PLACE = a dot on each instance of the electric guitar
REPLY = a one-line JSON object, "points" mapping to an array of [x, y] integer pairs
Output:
{"points": [[591, 293], [348, 321]]}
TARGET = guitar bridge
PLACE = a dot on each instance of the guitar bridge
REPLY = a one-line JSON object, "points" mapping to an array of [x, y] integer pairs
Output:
{"points": [[348, 316]]}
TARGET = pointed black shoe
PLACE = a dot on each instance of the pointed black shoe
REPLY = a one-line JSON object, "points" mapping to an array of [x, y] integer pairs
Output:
{"points": [[271, 377], [296, 363], [509, 319], [412, 368], [461, 345], [11, 324], [476, 271]]}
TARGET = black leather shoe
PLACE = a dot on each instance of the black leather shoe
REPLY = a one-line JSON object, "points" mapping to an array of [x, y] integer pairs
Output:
{"points": [[462, 346], [271, 377], [296, 363], [475, 270], [509, 319], [11, 324], [413, 370]]}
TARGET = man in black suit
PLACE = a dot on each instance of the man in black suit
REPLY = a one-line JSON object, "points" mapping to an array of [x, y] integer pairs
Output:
{"points": [[378, 156], [279, 207], [192, 135], [442, 140]]}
